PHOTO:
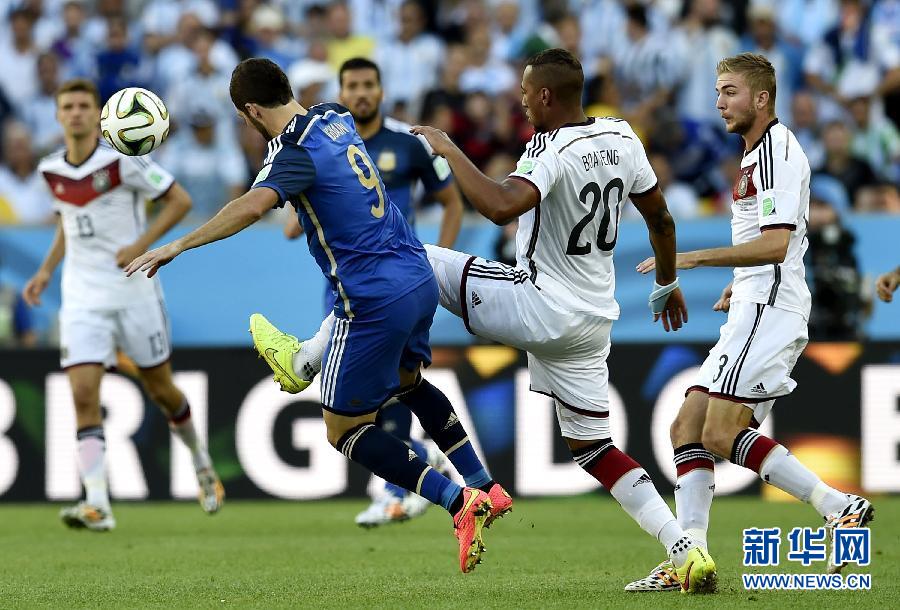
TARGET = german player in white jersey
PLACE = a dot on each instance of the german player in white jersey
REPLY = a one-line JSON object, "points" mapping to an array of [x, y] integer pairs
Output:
{"points": [[768, 306], [100, 197], [558, 302]]}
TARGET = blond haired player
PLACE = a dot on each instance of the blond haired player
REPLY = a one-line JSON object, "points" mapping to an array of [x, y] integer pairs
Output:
{"points": [[768, 307], [558, 302], [99, 195]]}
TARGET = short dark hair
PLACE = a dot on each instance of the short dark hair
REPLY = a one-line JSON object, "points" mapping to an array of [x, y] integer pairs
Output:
{"points": [[559, 71], [259, 81], [358, 63], [82, 85]]}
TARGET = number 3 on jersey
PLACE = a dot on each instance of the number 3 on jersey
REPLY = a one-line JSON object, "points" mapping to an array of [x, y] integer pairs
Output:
{"points": [[371, 181], [592, 190]]}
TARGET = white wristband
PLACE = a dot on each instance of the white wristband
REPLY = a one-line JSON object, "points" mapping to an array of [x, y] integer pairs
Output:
{"points": [[660, 295]]}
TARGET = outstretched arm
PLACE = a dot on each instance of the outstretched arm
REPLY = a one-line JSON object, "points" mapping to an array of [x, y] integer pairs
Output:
{"points": [[770, 248], [234, 217], [499, 202], [176, 203]]}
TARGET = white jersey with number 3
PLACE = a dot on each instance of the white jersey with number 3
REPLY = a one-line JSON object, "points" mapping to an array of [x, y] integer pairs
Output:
{"points": [[101, 203], [772, 192], [583, 172]]}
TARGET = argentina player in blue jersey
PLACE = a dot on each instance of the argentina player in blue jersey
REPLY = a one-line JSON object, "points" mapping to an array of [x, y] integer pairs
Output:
{"points": [[387, 293], [404, 161]]}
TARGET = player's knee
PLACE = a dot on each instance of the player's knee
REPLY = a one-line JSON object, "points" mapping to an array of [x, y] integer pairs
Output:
{"points": [[717, 439]]}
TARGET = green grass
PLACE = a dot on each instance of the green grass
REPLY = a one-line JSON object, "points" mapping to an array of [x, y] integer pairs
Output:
{"points": [[565, 553]]}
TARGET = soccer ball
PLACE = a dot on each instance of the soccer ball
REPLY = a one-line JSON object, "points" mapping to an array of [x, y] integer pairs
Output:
{"points": [[134, 121]]}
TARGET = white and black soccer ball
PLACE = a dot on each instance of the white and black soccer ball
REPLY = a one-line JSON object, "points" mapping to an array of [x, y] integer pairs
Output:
{"points": [[134, 121]]}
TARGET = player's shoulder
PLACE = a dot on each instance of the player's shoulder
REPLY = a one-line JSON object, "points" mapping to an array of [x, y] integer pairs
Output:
{"points": [[52, 161], [779, 143]]}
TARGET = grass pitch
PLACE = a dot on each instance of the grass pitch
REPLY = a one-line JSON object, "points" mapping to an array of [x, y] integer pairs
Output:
{"points": [[567, 553]]}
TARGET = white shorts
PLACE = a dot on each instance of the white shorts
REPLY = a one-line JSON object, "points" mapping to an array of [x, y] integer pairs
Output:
{"points": [[89, 336], [566, 351], [752, 362]]}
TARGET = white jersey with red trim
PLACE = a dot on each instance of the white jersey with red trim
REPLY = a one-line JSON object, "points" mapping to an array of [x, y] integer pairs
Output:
{"points": [[772, 191], [101, 203], [583, 172]]}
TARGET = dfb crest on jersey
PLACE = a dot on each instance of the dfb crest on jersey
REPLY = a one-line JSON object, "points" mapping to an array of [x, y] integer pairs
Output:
{"points": [[742, 185], [100, 180]]}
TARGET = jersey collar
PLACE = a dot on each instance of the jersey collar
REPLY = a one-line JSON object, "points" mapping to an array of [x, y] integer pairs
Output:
{"points": [[589, 121], [762, 137], [86, 159]]}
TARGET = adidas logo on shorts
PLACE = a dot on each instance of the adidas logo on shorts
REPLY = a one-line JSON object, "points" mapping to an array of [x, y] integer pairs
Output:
{"points": [[476, 300], [759, 388]]}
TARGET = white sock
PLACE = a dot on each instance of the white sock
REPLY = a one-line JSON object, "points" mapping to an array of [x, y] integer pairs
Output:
{"points": [[693, 499], [637, 495], [784, 471], [182, 426], [92, 466], [308, 361]]}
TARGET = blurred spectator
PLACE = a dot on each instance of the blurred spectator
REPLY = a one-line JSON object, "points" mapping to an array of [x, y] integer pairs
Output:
{"points": [[205, 81], [509, 33], [837, 307], [96, 27], [119, 65], [312, 79], [160, 20], [448, 91], [875, 138], [878, 199], [886, 26], [18, 60], [484, 74], [411, 62], [605, 22], [830, 190], [40, 112], [854, 173], [787, 59], [847, 52], [695, 149], [805, 21], [805, 125], [343, 44], [267, 26], [700, 43], [72, 44], [480, 132], [21, 188], [646, 70], [209, 167], [175, 62], [680, 198]]}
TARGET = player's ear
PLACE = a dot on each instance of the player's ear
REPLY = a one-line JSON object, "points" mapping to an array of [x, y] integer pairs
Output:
{"points": [[762, 100], [545, 96]]}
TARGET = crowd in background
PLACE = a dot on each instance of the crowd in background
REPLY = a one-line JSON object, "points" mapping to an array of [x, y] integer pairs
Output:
{"points": [[456, 64]]}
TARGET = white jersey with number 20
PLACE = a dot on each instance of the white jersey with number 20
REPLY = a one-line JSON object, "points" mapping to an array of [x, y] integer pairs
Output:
{"points": [[583, 172]]}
